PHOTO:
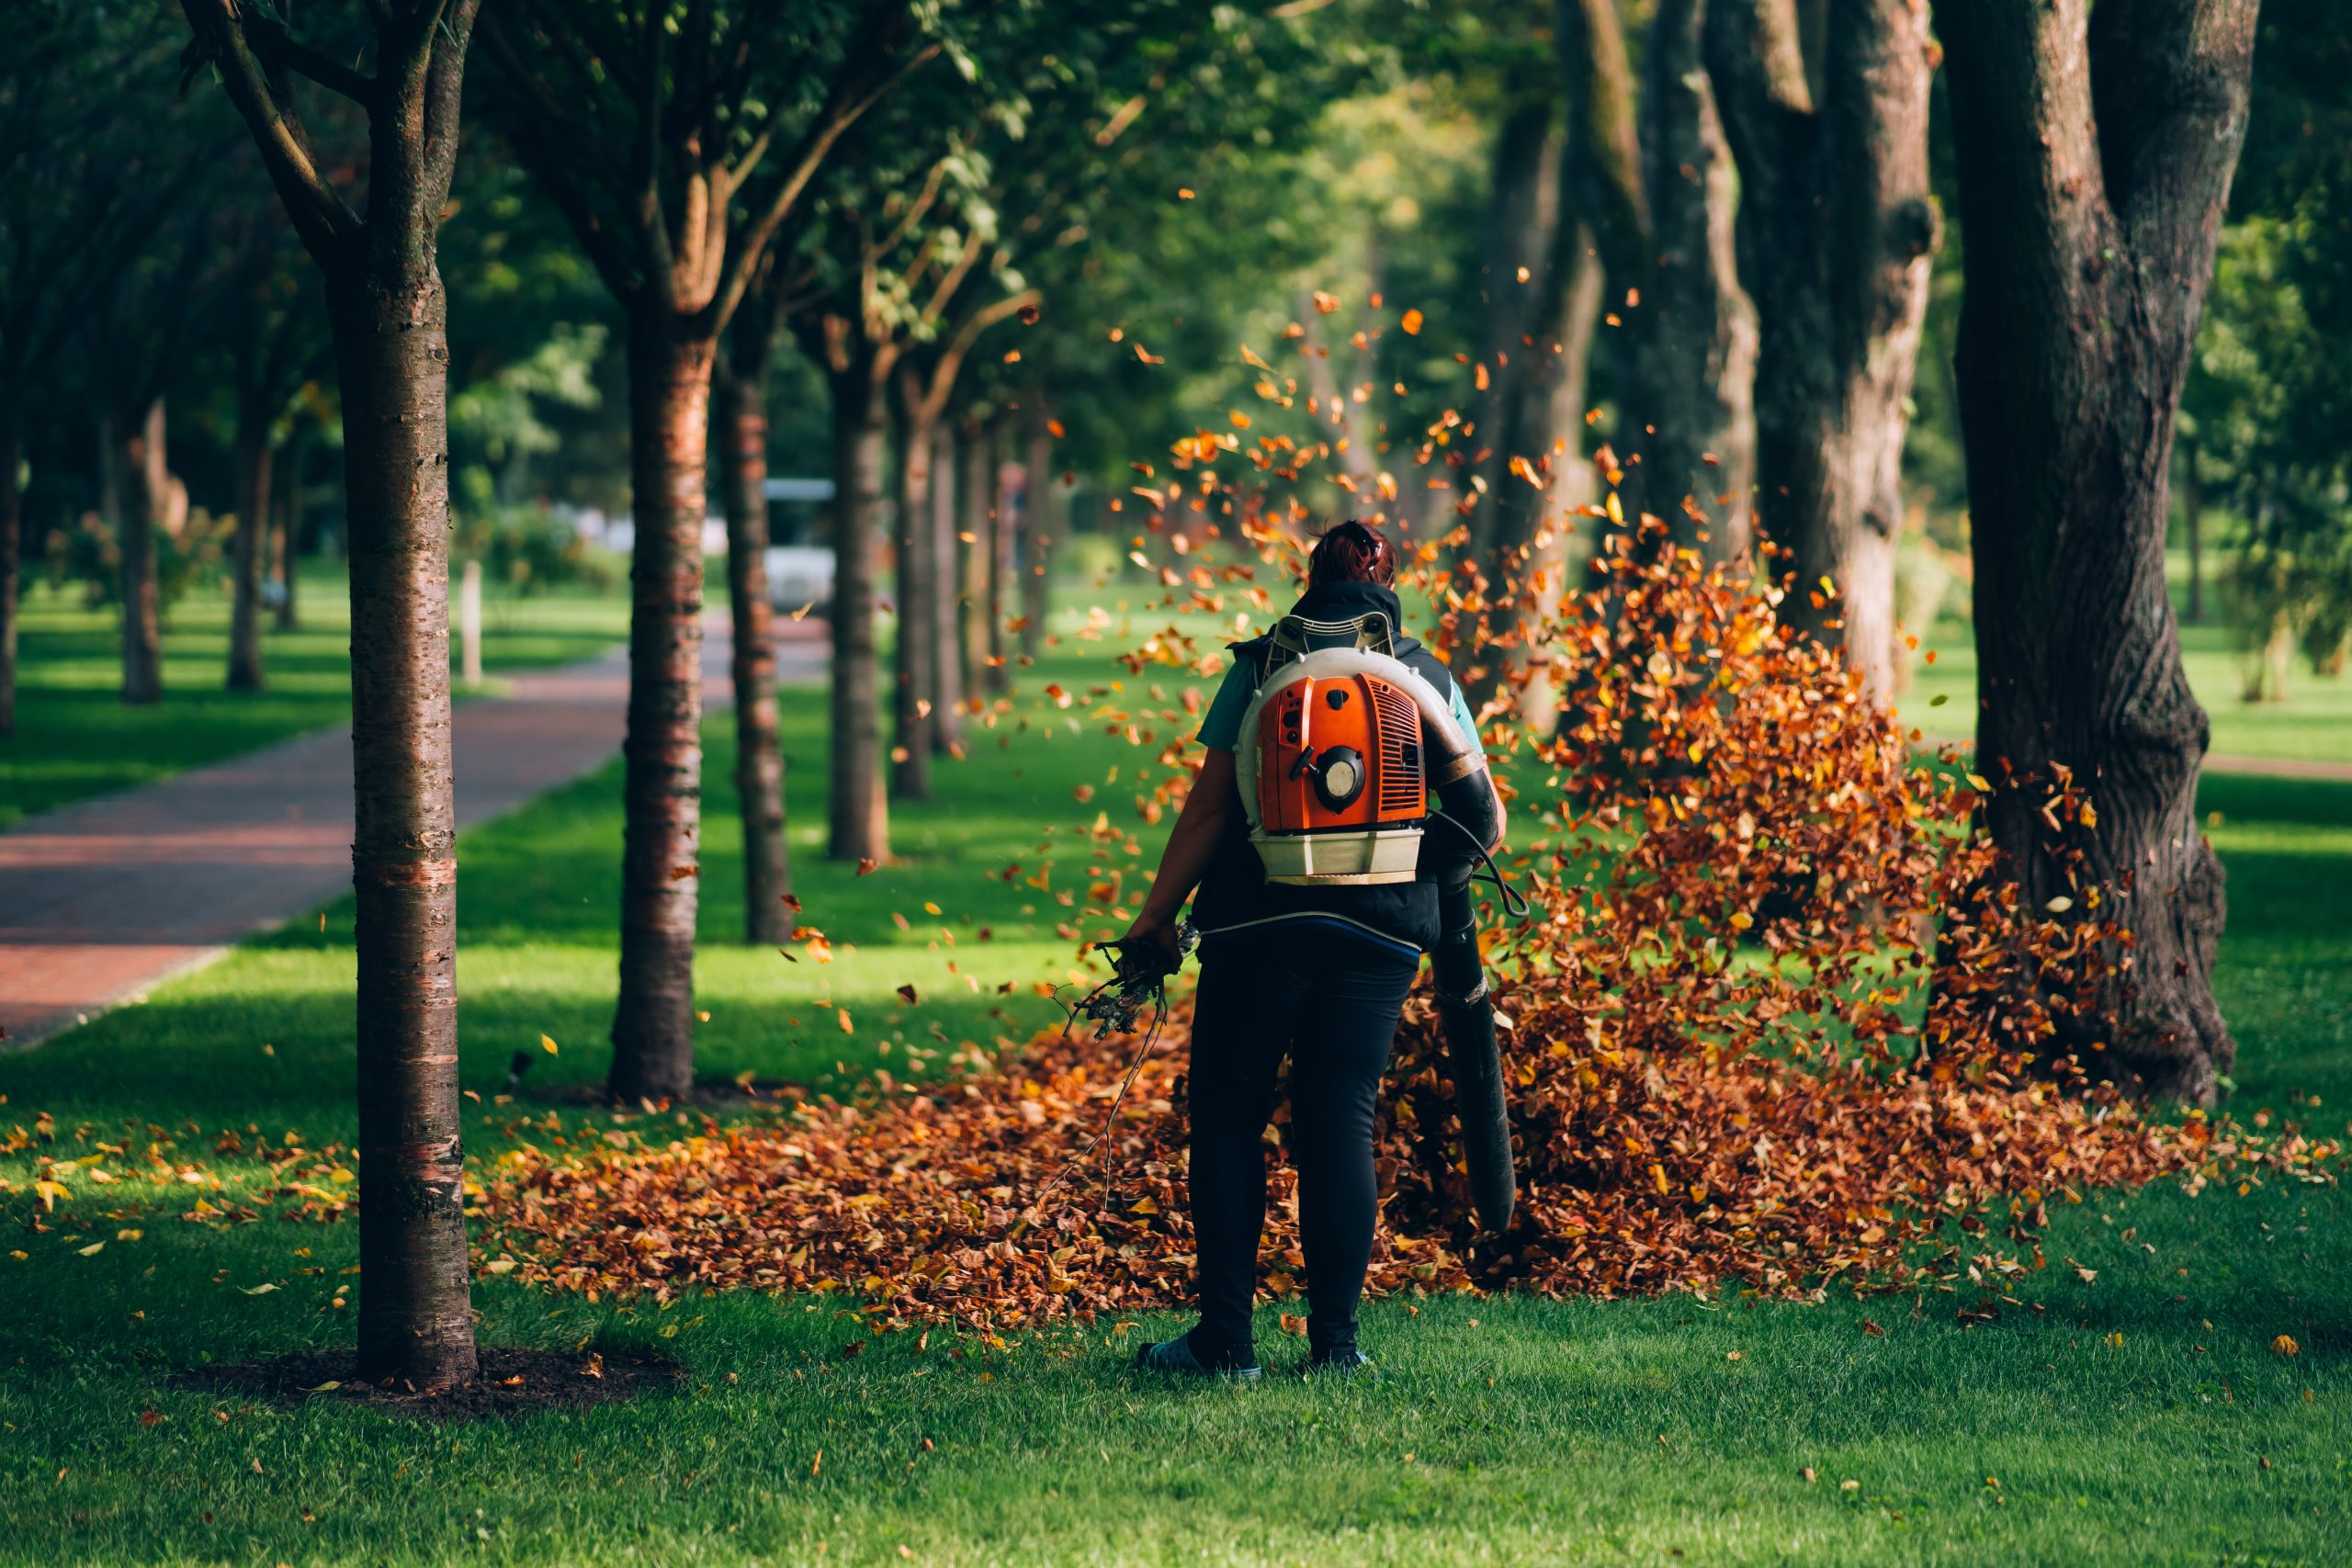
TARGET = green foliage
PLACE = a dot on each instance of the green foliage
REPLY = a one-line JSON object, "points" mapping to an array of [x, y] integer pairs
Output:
{"points": [[2265, 417], [528, 550], [88, 556]]}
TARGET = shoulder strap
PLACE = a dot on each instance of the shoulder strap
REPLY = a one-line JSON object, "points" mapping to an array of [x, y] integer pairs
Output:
{"points": [[1294, 636]]}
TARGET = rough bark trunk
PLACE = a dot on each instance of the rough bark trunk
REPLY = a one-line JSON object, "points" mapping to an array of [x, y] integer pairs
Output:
{"points": [[255, 452], [1522, 216], [12, 524], [669, 443], [2095, 150], [914, 538], [860, 825], [289, 486], [1038, 534], [741, 391], [1693, 333], [146, 500], [1836, 234], [1000, 539], [946, 596], [415, 1317]]}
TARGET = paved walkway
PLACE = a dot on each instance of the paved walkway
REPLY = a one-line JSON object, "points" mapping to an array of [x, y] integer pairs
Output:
{"points": [[103, 899]]}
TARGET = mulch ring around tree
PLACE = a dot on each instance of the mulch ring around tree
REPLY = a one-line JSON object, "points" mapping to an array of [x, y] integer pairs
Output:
{"points": [[509, 1381]]}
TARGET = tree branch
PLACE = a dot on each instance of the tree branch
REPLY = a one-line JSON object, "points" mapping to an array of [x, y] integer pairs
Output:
{"points": [[319, 214], [276, 45], [865, 76]]}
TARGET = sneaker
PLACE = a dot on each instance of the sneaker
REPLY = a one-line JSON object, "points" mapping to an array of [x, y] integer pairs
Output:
{"points": [[1175, 1357], [1344, 1362]]}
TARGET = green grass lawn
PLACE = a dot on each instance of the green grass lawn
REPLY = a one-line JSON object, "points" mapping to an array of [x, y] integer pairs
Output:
{"points": [[74, 738], [2141, 1417]]}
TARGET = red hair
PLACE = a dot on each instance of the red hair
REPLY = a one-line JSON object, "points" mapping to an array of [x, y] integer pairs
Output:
{"points": [[1352, 552]]}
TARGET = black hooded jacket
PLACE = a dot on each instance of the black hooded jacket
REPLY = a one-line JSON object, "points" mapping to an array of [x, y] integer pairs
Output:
{"points": [[1235, 895]]}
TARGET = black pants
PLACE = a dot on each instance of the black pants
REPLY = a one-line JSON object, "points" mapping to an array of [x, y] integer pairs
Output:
{"points": [[1330, 1000]]}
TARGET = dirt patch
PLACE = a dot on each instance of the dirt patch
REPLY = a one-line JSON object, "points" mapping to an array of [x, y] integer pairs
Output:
{"points": [[508, 1383]]}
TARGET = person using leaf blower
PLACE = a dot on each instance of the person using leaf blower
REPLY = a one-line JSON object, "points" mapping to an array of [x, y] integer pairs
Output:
{"points": [[1322, 877]]}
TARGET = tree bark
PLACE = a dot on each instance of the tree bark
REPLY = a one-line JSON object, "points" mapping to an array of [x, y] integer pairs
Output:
{"points": [[388, 314], [1038, 533], [916, 541], [1522, 216], [1693, 333], [391, 352], [669, 443], [255, 452], [2095, 151], [946, 595], [146, 501], [12, 526], [1836, 234], [1000, 538], [741, 386], [860, 825], [975, 541]]}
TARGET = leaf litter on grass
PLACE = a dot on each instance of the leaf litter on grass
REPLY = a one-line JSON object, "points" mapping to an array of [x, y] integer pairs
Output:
{"points": [[1776, 1024]]}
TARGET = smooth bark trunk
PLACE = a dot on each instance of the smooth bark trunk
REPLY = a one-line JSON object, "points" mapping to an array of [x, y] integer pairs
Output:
{"points": [[146, 499], [2095, 152], [917, 659], [415, 1316], [946, 596], [669, 444], [742, 392], [251, 549], [860, 825], [1837, 235]]}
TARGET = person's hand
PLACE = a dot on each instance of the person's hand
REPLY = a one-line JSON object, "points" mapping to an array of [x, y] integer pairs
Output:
{"points": [[1154, 933]]}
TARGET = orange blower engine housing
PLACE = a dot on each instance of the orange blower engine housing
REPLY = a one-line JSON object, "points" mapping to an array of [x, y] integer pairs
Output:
{"points": [[1341, 784]]}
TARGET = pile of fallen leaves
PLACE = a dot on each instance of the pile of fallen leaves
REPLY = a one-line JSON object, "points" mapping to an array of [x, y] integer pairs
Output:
{"points": [[1776, 1024]]}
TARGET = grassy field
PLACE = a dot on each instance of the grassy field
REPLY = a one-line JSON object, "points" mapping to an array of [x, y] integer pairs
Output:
{"points": [[2313, 725], [2141, 1417], [74, 738]]}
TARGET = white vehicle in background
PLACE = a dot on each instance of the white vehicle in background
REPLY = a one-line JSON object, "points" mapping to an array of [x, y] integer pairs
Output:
{"points": [[800, 568]]}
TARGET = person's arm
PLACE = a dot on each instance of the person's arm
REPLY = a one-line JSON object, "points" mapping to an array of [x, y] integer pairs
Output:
{"points": [[1191, 845]]}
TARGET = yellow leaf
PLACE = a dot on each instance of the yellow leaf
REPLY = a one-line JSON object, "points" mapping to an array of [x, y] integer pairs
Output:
{"points": [[93, 1250], [2059, 905], [547, 1044]]}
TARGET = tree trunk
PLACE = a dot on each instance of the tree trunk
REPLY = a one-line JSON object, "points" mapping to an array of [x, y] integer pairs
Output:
{"points": [[2095, 149], [653, 1042], [1522, 216], [391, 352], [146, 500], [1038, 533], [253, 474], [918, 661], [1837, 235], [946, 596], [741, 391], [12, 524], [975, 540], [1000, 570], [289, 467], [860, 825]]}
